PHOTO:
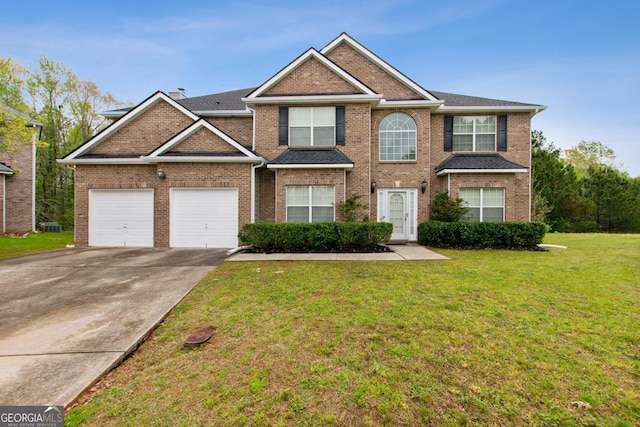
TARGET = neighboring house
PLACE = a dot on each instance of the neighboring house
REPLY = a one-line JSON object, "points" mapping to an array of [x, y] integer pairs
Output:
{"points": [[189, 172], [18, 181]]}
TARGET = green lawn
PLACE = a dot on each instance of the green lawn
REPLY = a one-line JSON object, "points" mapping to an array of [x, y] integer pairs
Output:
{"points": [[489, 338], [34, 242]]}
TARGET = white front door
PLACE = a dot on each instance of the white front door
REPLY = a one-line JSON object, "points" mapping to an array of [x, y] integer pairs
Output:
{"points": [[399, 208]]}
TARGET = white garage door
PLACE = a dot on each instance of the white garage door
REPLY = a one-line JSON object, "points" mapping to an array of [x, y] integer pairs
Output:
{"points": [[121, 218], [204, 218]]}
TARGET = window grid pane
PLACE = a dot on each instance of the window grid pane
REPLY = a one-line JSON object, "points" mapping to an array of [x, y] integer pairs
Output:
{"points": [[310, 203], [485, 204], [312, 126], [397, 137], [474, 133]]}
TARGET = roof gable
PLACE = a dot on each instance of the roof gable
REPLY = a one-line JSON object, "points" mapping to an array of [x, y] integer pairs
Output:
{"points": [[190, 143], [128, 118], [344, 38], [263, 90]]}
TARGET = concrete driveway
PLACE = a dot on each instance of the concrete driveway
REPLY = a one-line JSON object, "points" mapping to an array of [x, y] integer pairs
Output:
{"points": [[67, 317]]}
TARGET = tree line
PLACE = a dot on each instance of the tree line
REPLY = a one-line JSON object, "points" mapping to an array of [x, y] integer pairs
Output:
{"points": [[582, 189], [68, 109]]}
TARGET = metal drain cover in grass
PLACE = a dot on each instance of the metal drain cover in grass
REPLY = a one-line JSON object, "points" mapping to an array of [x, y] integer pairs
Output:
{"points": [[200, 336]]}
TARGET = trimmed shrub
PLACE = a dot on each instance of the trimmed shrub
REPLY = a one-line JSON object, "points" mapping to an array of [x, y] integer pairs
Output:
{"points": [[316, 237], [481, 235], [444, 208]]}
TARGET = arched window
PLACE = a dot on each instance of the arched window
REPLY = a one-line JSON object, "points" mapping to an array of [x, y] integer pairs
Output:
{"points": [[398, 137]]}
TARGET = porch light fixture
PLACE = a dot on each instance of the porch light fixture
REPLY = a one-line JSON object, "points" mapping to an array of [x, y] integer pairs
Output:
{"points": [[161, 174], [374, 185], [423, 186]]}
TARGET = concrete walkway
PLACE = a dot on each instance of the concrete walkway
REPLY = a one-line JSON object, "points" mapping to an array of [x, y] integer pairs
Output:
{"points": [[408, 252]]}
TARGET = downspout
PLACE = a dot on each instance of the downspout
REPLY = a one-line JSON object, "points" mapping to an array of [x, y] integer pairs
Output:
{"points": [[254, 167], [253, 137], [36, 137], [4, 203], [253, 190], [531, 167]]}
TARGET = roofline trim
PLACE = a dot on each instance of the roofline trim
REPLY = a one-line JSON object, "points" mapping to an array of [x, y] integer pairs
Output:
{"points": [[310, 53], [346, 166], [535, 109], [146, 160], [202, 159], [409, 103], [103, 161], [452, 171], [316, 99], [344, 37]]}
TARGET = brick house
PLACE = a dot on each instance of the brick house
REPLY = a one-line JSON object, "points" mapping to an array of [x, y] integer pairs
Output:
{"points": [[189, 172], [18, 181]]}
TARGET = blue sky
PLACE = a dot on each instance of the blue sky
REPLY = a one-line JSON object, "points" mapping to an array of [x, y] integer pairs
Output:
{"points": [[579, 58]]}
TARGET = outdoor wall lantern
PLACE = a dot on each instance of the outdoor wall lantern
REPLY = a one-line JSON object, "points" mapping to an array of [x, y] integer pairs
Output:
{"points": [[161, 174], [423, 186], [374, 184]]}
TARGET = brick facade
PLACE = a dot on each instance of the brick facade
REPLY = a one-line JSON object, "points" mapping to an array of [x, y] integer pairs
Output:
{"points": [[363, 116], [17, 209]]}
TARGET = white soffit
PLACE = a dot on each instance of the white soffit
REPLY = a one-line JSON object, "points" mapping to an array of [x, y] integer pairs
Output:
{"points": [[452, 171]]}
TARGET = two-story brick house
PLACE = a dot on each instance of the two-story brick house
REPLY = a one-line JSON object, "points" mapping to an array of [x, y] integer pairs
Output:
{"points": [[189, 172]]}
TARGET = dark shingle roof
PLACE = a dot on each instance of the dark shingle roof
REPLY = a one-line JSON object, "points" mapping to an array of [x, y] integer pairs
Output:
{"points": [[307, 156], [231, 100], [477, 161], [455, 100]]}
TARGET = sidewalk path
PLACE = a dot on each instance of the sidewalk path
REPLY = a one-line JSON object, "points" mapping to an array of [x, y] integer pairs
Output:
{"points": [[408, 252]]}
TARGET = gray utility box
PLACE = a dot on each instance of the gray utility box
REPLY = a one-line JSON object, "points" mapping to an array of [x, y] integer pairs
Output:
{"points": [[51, 227]]}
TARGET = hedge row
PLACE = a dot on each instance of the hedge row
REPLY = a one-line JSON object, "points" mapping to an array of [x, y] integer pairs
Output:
{"points": [[316, 237], [480, 235]]}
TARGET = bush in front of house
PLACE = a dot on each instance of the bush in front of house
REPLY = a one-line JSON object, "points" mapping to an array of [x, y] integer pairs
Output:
{"points": [[481, 235], [316, 237]]}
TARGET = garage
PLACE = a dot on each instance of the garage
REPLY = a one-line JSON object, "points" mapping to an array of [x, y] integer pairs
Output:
{"points": [[204, 217], [121, 218]]}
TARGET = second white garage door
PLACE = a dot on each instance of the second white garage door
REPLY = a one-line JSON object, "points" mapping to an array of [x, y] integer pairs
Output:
{"points": [[204, 218]]}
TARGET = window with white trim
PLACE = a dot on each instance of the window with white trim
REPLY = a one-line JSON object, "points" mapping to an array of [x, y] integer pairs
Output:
{"points": [[485, 204], [398, 137], [312, 126], [310, 203], [474, 133]]}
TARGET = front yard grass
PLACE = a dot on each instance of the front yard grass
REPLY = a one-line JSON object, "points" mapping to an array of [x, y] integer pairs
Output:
{"points": [[489, 338], [33, 243]]}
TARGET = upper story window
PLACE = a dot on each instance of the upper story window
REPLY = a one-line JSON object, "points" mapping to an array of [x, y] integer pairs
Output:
{"points": [[398, 137], [474, 133], [312, 126]]}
